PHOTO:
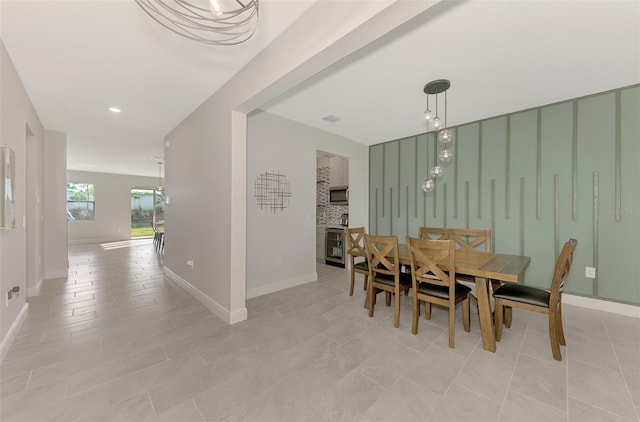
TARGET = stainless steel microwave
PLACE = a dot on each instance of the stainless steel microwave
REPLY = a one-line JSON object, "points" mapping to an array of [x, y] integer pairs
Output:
{"points": [[339, 195]]}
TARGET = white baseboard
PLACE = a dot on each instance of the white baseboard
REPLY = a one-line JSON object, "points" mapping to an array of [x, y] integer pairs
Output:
{"points": [[601, 305], [217, 309], [7, 341], [56, 274], [281, 285], [102, 240], [35, 290]]}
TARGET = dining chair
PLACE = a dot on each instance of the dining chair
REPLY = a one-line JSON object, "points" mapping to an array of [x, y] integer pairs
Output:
{"points": [[540, 300], [431, 284], [355, 250], [384, 272], [467, 239]]}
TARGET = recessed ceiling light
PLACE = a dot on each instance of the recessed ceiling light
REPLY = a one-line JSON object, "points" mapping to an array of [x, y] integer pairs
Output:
{"points": [[115, 109]]}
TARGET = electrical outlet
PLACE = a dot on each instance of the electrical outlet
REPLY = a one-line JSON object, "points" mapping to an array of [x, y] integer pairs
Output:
{"points": [[590, 272], [8, 297], [190, 263]]}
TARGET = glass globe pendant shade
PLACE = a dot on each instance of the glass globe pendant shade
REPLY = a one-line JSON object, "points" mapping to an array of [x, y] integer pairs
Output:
{"points": [[445, 155], [436, 171], [445, 136], [428, 115], [216, 7], [436, 122], [428, 185]]}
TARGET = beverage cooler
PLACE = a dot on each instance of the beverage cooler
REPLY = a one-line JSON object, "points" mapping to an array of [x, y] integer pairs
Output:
{"points": [[334, 249]]}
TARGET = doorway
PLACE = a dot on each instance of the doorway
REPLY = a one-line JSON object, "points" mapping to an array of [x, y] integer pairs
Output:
{"points": [[147, 211]]}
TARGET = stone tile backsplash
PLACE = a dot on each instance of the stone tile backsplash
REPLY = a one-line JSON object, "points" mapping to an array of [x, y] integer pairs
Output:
{"points": [[326, 214]]}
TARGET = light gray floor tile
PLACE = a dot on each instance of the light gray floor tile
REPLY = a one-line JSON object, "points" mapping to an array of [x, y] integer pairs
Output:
{"points": [[601, 388], [435, 369], [520, 408], [116, 341], [462, 404], [584, 412], [487, 375], [543, 381]]}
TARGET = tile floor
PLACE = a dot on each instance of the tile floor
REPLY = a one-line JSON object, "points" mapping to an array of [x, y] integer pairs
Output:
{"points": [[116, 341]]}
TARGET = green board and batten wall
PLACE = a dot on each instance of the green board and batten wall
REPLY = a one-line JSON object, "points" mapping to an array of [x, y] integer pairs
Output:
{"points": [[536, 178]]}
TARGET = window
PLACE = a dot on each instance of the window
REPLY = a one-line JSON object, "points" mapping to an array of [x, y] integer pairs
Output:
{"points": [[80, 201]]}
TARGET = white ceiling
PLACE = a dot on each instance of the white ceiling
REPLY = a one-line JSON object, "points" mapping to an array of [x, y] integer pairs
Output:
{"points": [[500, 57], [77, 59]]}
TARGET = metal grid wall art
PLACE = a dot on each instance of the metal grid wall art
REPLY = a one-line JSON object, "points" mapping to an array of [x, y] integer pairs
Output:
{"points": [[272, 191]]}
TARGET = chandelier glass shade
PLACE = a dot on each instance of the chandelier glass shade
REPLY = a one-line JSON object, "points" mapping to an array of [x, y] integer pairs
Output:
{"points": [[435, 123], [214, 22], [160, 188]]}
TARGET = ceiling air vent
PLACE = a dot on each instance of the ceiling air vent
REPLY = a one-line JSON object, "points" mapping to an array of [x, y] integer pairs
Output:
{"points": [[330, 118]]}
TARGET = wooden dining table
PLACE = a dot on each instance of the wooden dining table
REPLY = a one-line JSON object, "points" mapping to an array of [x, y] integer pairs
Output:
{"points": [[483, 266]]}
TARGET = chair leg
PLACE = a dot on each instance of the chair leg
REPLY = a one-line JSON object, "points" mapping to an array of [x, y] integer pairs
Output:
{"points": [[452, 333], [508, 313], [416, 315], [388, 298], [371, 294], [353, 280], [396, 309], [365, 282], [466, 314], [560, 329], [553, 334], [497, 315], [427, 310]]}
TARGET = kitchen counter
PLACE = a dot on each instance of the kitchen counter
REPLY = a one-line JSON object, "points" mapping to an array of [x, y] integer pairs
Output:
{"points": [[332, 226]]}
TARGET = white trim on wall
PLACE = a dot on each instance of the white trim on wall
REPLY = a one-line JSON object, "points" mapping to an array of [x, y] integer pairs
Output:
{"points": [[601, 305], [56, 274], [217, 309], [281, 285], [7, 341], [35, 290]]}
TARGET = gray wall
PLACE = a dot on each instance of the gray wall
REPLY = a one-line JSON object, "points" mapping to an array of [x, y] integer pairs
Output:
{"points": [[20, 129], [112, 209], [281, 246], [533, 177]]}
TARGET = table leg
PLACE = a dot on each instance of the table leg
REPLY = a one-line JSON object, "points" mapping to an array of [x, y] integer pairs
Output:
{"points": [[484, 310]]}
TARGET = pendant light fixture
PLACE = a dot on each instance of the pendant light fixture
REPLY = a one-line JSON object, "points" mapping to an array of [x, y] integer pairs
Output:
{"points": [[214, 22], [435, 123], [160, 188]]}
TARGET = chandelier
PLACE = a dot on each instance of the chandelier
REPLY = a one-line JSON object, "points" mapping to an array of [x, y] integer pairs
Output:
{"points": [[215, 22], [435, 123], [160, 188]]}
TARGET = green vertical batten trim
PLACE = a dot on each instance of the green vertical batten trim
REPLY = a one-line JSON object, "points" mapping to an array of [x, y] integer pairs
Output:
{"points": [[493, 214], [618, 164], [480, 170], [390, 210], [596, 210], [507, 173], [522, 185], [416, 183], [399, 167], [455, 177], [444, 205], [424, 208], [574, 164], [435, 181], [376, 212], [539, 167], [466, 204], [406, 219], [424, 194], [384, 155], [556, 214]]}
